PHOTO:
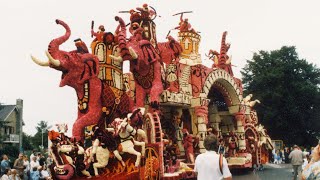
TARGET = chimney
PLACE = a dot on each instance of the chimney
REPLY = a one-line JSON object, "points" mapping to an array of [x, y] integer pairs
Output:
{"points": [[19, 104]]}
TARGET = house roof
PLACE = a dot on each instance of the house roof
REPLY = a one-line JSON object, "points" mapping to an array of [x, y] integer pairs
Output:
{"points": [[6, 110]]}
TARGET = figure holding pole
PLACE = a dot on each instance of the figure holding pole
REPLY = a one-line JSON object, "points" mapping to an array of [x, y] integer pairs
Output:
{"points": [[184, 25]]}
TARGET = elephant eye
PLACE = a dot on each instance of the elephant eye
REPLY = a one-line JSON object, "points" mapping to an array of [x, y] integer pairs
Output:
{"points": [[66, 56]]}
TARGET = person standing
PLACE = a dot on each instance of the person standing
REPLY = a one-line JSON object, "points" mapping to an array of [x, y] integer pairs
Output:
{"points": [[41, 159], [19, 165], [5, 164], [33, 154], [26, 172], [286, 155], [275, 157], [49, 161], [211, 165], [296, 157], [34, 163]]}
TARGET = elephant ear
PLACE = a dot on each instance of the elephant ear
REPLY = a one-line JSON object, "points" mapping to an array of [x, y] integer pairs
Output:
{"points": [[90, 68]]}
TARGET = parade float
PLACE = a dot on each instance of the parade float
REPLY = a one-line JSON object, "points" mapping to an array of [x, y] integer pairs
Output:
{"points": [[150, 123]]}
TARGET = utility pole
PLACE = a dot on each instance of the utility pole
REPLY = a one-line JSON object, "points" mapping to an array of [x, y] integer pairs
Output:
{"points": [[42, 131]]}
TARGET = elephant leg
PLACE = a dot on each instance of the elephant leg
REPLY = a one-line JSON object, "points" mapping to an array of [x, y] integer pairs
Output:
{"points": [[117, 155], [88, 119], [157, 87], [140, 95]]}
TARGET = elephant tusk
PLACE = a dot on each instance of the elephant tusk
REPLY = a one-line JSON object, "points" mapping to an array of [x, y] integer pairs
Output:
{"points": [[117, 58], [133, 53], [52, 60], [40, 63]]}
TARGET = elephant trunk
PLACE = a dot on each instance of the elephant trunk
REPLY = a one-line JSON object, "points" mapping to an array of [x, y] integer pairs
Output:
{"points": [[124, 51], [53, 48]]}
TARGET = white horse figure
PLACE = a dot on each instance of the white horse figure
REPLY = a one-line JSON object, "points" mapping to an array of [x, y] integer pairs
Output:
{"points": [[127, 133]]}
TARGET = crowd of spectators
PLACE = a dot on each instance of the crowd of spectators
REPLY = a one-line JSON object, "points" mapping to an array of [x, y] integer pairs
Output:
{"points": [[26, 168], [305, 161]]}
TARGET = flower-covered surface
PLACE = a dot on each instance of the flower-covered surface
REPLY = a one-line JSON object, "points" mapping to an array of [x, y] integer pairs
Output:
{"points": [[151, 122]]}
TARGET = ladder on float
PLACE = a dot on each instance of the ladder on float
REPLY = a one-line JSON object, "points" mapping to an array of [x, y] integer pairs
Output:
{"points": [[157, 128], [259, 156]]}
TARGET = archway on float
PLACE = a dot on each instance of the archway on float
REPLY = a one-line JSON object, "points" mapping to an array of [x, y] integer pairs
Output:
{"points": [[224, 95]]}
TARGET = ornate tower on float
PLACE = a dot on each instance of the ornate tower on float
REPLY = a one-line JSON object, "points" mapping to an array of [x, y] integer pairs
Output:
{"points": [[110, 69], [189, 42], [189, 61]]}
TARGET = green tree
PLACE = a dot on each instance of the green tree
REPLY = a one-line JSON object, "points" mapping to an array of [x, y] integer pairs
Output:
{"points": [[288, 88], [10, 150], [26, 143], [41, 136]]}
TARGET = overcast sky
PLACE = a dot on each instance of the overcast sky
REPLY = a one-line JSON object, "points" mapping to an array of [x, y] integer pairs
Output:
{"points": [[28, 26]]}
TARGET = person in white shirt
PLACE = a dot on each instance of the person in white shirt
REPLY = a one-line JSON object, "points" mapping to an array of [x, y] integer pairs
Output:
{"points": [[34, 163], [33, 154], [6, 175], [44, 174], [207, 165]]}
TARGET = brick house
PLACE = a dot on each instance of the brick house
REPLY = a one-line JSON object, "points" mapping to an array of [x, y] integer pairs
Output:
{"points": [[11, 131]]}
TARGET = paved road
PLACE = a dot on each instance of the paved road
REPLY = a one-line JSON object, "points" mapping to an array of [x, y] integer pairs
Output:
{"points": [[270, 172]]}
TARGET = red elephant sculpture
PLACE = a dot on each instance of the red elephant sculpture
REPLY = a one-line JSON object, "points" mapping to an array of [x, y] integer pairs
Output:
{"points": [[146, 61], [96, 101]]}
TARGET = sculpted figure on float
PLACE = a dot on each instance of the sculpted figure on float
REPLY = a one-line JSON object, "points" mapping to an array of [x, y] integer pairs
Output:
{"points": [[68, 156], [80, 71], [145, 61], [129, 128]]}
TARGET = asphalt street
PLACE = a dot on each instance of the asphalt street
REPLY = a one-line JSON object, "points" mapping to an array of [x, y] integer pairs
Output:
{"points": [[270, 172]]}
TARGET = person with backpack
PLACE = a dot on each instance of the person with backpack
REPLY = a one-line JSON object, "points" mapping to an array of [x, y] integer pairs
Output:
{"points": [[212, 165]]}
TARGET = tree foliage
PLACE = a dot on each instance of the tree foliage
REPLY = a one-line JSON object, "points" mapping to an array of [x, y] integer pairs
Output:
{"points": [[288, 88], [27, 142], [11, 151], [42, 132]]}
